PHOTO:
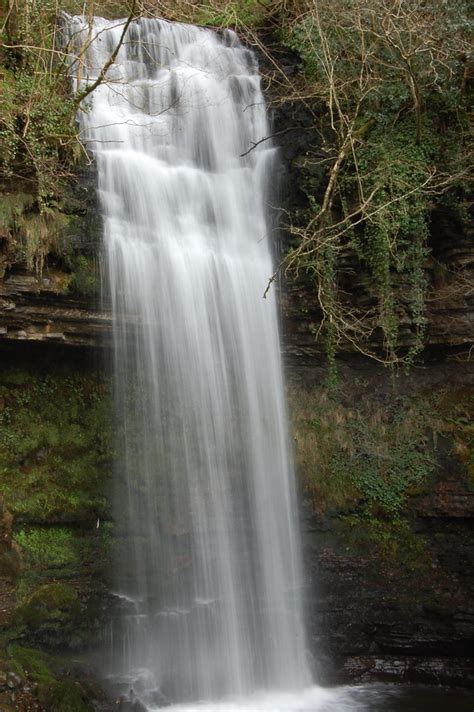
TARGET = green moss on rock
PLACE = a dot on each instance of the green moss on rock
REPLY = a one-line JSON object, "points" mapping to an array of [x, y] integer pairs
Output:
{"points": [[48, 546], [55, 445], [32, 663], [55, 600], [64, 696], [51, 617], [55, 695]]}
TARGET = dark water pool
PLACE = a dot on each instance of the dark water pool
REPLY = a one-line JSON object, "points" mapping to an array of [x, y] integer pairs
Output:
{"points": [[421, 699]]}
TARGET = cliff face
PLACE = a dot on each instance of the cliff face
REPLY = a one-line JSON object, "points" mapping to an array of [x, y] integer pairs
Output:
{"points": [[385, 467], [35, 308], [384, 464], [389, 592], [55, 472], [448, 269]]}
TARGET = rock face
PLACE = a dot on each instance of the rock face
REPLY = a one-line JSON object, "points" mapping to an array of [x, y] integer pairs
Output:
{"points": [[34, 308], [449, 269], [380, 619], [10, 554], [390, 595], [380, 604]]}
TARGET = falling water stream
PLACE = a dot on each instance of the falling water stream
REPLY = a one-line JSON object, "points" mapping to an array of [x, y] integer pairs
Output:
{"points": [[209, 568]]}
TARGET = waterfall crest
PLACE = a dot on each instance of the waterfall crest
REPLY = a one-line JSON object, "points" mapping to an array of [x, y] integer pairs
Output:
{"points": [[205, 502]]}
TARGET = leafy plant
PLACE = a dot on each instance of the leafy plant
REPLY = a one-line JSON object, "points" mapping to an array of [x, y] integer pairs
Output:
{"points": [[360, 459], [48, 546], [385, 80], [39, 142]]}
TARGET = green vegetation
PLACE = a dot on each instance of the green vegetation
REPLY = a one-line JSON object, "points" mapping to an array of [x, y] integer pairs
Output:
{"points": [[360, 459], [393, 542], [51, 617], [55, 465], [39, 142], [52, 605], [84, 280], [63, 695], [364, 461], [387, 84], [32, 664], [55, 450], [36, 132], [241, 14], [50, 547]]}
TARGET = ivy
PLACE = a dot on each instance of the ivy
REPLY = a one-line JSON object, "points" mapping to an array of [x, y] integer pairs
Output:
{"points": [[389, 93]]}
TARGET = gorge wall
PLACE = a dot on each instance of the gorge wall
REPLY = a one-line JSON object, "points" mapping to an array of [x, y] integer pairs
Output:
{"points": [[384, 462]]}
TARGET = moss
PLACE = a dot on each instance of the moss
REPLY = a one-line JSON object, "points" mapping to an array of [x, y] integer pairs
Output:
{"points": [[32, 663], [75, 555], [84, 279], [52, 547], [55, 445], [320, 437], [50, 603], [63, 696], [361, 456], [50, 618], [15, 377], [371, 460], [393, 541]]}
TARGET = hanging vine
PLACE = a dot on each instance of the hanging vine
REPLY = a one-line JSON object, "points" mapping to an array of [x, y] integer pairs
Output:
{"points": [[385, 79]]}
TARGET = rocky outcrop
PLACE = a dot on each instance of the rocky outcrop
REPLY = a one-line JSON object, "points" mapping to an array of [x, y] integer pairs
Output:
{"points": [[36, 308], [391, 597], [449, 314], [392, 620], [449, 268]]}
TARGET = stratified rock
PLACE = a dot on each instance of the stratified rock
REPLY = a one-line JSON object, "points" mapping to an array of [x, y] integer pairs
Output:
{"points": [[35, 309]]}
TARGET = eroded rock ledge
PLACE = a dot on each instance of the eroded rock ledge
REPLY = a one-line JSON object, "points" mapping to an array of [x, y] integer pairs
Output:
{"points": [[34, 308]]}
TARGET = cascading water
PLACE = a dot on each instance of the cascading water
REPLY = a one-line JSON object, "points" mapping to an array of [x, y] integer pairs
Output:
{"points": [[213, 558], [210, 559]]}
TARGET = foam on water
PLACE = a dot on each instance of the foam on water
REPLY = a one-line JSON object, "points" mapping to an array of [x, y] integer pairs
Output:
{"points": [[311, 699]]}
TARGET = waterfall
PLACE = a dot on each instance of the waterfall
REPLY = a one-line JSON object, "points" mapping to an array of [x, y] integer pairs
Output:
{"points": [[209, 559]]}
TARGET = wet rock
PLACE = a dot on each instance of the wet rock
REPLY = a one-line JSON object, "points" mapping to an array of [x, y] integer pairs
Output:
{"points": [[127, 705], [40, 456], [50, 617], [36, 311], [434, 671], [450, 498]]}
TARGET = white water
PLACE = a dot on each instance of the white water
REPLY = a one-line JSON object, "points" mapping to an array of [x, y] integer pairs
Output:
{"points": [[209, 572]]}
